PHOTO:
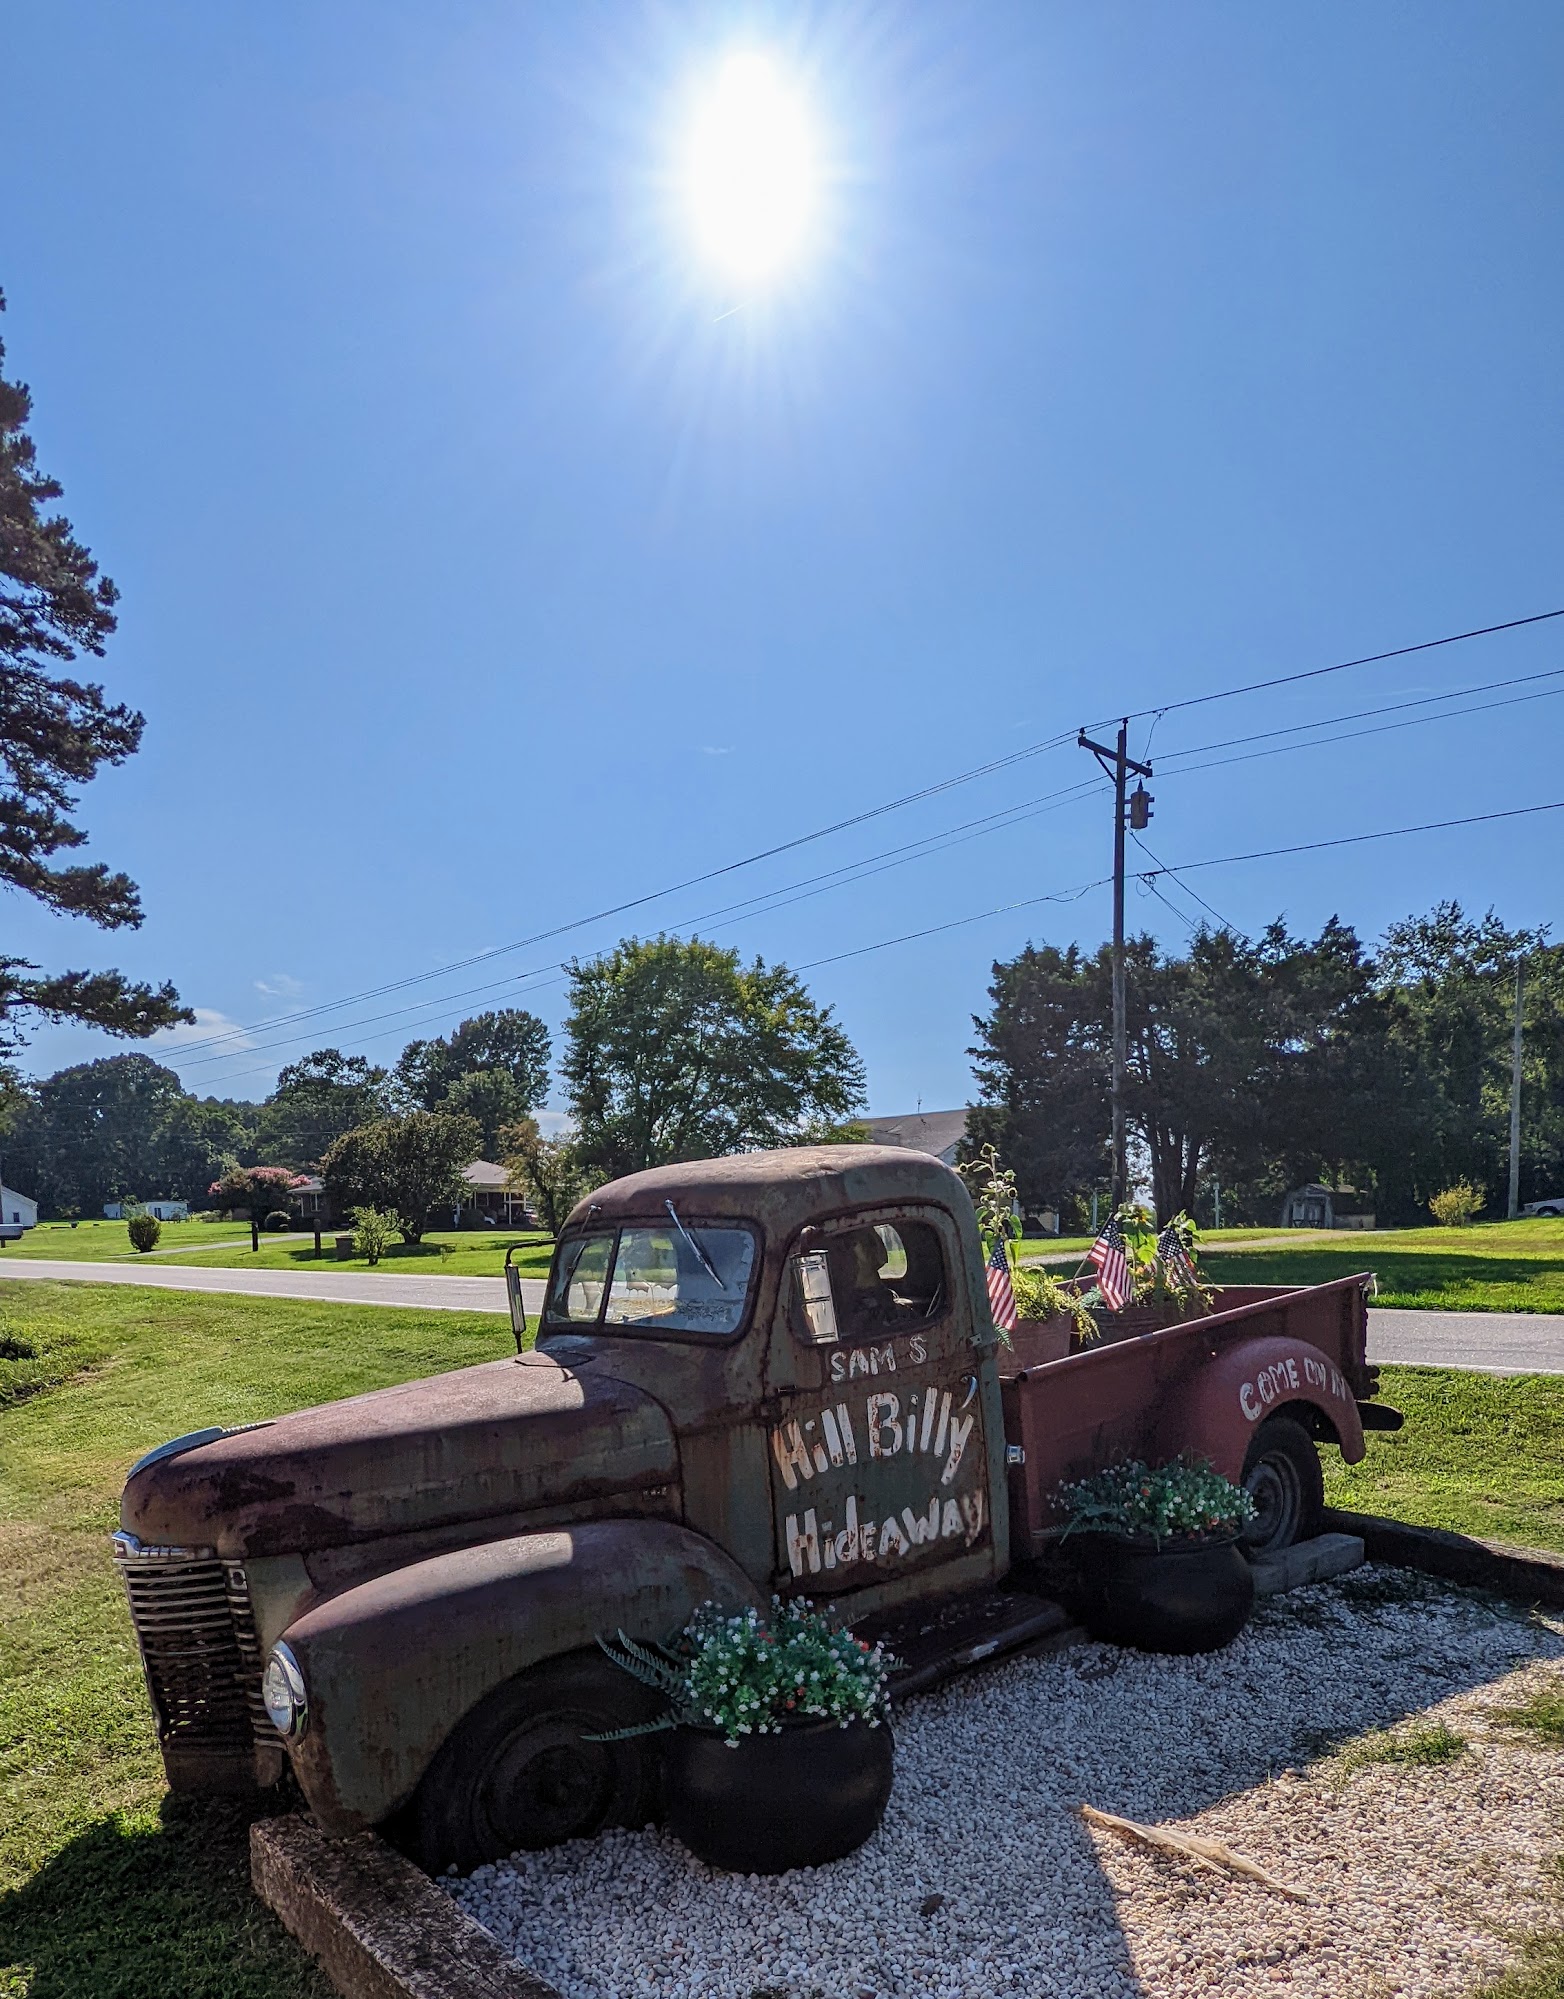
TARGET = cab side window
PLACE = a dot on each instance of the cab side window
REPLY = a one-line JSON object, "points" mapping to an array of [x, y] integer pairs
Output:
{"points": [[887, 1278]]}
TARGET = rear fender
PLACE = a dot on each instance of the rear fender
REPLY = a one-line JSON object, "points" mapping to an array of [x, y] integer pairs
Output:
{"points": [[391, 1665], [1217, 1411]]}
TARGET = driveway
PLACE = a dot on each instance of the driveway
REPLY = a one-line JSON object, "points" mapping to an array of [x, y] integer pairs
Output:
{"points": [[1489, 1342]]}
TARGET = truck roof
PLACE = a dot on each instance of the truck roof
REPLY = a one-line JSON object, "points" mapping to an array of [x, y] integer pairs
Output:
{"points": [[780, 1190]]}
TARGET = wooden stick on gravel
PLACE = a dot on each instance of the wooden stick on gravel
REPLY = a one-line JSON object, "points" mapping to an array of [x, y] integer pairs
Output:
{"points": [[1192, 1846]]}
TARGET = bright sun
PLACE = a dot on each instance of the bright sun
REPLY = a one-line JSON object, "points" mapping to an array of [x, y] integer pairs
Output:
{"points": [[751, 170]]}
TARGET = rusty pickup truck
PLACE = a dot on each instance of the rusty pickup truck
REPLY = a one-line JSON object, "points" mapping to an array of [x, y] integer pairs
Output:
{"points": [[770, 1373]]}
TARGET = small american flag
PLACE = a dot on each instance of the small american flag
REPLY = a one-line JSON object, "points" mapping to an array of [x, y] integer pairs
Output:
{"points": [[1001, 1295], [1107, 1257], [1174, 1256]]}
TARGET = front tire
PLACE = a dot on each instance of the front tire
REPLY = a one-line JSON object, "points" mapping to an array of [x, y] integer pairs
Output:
{"points": [[1282, 1476], [516, 1773]]}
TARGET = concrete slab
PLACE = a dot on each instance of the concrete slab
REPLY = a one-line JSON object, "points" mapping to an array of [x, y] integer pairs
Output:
{"points": [[1308, 1562], [380, 1928]]}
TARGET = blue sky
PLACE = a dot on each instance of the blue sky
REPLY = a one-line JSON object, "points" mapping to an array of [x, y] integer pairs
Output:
{"points": [[490, 557]]}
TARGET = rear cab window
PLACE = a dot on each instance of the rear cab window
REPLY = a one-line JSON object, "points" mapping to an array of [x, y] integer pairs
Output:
{"points": [[692, 1279], [871, 1282]]}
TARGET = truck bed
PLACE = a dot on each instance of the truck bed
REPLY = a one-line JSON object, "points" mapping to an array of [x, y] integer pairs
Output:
{"points": [[1202, 1383]]}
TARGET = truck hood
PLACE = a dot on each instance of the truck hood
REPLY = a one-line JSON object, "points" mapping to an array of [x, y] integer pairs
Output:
{"points": [[500, 1438]]}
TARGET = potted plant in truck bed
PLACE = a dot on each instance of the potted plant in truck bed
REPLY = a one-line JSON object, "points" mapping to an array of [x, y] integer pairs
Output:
{"points": [[781, 1753], [1157, 1563]]}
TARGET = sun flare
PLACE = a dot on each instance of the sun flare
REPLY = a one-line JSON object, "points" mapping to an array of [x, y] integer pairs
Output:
{"points": [[751, 169]]}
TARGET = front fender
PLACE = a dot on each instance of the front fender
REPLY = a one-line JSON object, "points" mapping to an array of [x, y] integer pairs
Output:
{"points": [[1215, 1414], [391, 1665]]}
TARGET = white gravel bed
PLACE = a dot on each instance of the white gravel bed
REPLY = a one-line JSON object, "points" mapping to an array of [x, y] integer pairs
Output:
{"points": [[1415, 1872]]}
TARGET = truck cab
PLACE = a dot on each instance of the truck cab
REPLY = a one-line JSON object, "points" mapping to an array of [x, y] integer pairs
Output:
{"points": [[754, 1375]]}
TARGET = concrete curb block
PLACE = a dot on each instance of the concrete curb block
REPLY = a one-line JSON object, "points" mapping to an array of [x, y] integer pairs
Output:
{"points": [[1525, 1575], [379, 1927]]}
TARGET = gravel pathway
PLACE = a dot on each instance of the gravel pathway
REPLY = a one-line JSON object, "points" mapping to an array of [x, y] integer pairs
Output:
{"points": [[983, 1882]]}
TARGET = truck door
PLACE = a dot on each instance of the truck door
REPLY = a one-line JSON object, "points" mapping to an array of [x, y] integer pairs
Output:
{"points": [[878, 1454]]}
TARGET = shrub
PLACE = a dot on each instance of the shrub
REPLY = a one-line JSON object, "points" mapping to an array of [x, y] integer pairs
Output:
{"points": [[143, 1230], [1457, 1205], [1184, 1500], [279, 1218], [373, 1229], [744, 1674]]}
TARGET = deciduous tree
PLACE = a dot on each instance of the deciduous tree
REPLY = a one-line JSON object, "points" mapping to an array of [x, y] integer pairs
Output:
{"points": [[256, 1191], [677, 1050], [94, 1132], [410, 1165], [548, 1171], [316, 1100], [510, 1040]]}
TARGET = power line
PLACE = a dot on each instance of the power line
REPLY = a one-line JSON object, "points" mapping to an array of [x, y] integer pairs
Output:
{"points": [[1221, 860], [1354, 735], [1367, 714], [936, 789], [1193, 894], [1319, 672], [1355, 839], [1003, 820], [780, 898]]}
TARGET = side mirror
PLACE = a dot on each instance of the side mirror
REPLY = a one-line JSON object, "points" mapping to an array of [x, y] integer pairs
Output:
{"points": [[813, 1272], [513, 1297]]}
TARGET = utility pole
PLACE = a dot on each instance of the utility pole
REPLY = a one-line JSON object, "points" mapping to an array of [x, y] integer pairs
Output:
{"points": [[1515, 1093], [1118, 763]]}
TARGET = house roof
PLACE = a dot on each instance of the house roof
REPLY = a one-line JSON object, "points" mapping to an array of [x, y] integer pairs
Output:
{"points": [[923, 1131], [484, 1173]]}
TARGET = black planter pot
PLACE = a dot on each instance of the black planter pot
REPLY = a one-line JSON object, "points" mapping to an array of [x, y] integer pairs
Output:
{"points": [[1190, 1596], [811, 1794]]}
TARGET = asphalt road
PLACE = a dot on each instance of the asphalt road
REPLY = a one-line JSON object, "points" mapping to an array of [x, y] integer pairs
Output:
{"points": [[1490, 1342], [338, 1287]]}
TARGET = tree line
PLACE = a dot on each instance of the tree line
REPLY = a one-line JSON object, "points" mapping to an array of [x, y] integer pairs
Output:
{"points": [[1259, 1065], [674, 1049]]}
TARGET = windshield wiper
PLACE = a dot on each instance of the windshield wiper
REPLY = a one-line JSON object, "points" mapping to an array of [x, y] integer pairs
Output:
{"points": [[701, 1257]]}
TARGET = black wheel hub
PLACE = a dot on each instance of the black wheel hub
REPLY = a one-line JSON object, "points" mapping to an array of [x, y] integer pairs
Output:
{"points": [[1274, 1486], [545, 1785]]}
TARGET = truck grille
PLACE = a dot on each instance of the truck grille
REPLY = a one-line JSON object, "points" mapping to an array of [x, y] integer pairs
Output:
{"points": [[194, 1625]]}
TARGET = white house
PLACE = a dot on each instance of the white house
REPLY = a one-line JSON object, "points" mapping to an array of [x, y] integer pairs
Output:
{"points": [[490, 1194], [18, 1208], [166, 1211]]}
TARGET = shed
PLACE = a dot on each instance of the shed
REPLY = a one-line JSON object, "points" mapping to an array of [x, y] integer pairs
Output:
{"points": [[1319, 1207], [18, 1208]]}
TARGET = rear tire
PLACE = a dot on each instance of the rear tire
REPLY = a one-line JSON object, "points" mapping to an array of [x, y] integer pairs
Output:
{"points": [[1282, 1476], [516, 1773]]}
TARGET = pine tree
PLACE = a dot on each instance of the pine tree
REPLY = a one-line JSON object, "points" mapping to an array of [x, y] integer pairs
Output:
{"points": [[55, 732]]}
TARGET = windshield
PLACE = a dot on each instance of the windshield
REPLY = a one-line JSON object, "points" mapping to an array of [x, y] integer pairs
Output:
{"points": [[683, 1278]]}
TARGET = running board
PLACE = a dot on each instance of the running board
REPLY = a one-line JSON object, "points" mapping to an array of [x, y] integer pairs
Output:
{"points": [[932, 1643]]}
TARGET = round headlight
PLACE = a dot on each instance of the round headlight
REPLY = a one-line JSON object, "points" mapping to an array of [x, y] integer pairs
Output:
{"points": [[282, 1690]]}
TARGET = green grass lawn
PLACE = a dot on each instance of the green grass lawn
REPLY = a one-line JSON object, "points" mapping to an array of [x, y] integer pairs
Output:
{"points": [[1491, 1267], [103, 1242], [226, 1245], [1480, 1454], [109, 1889]]}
